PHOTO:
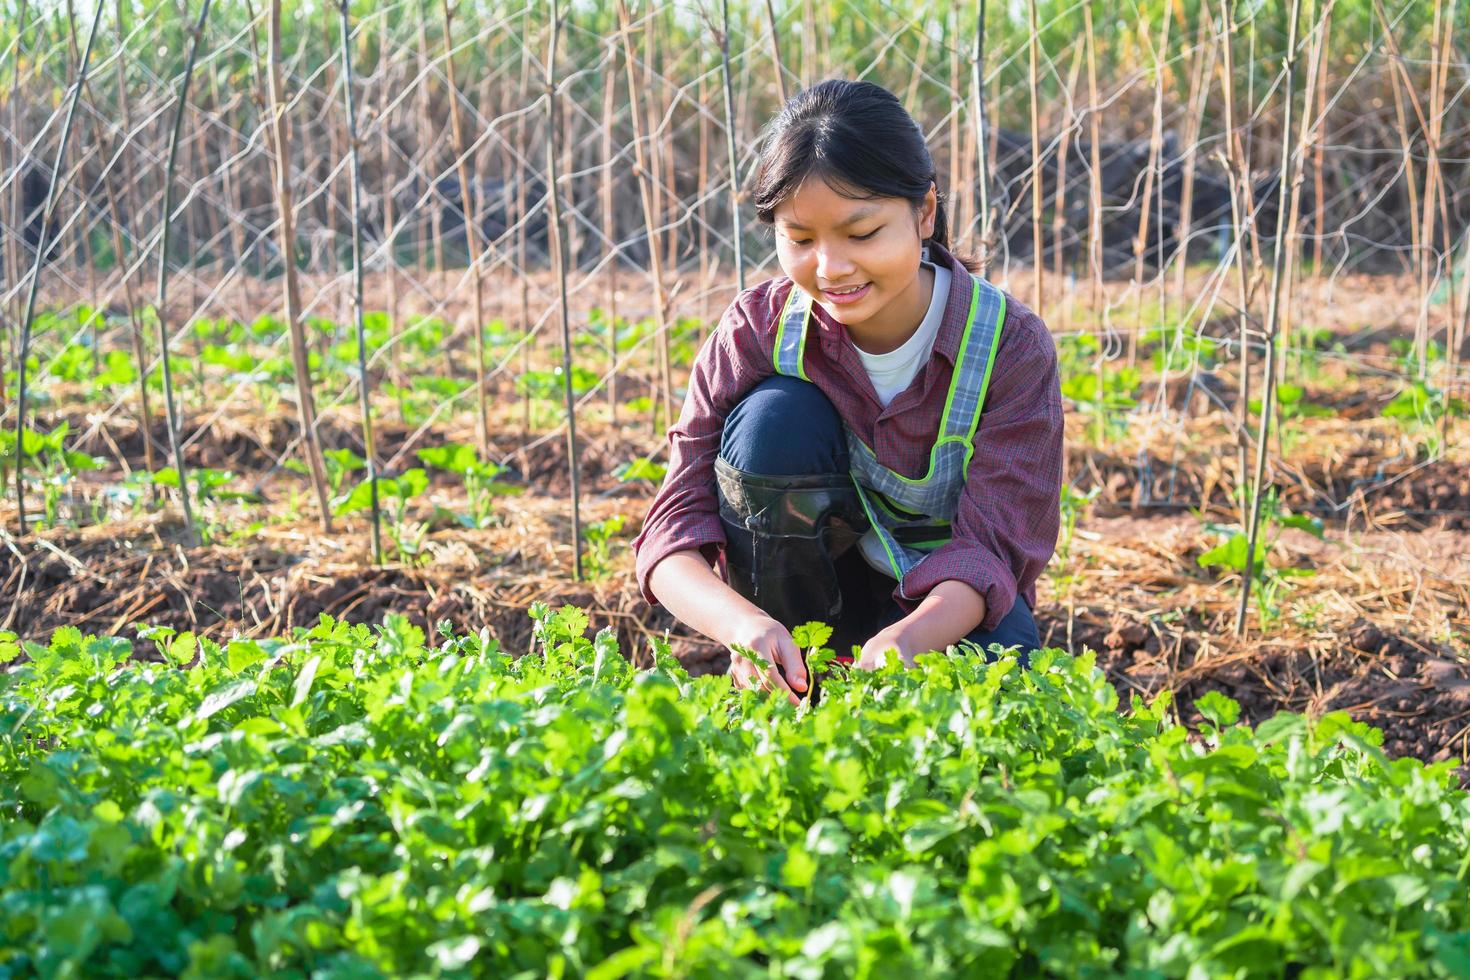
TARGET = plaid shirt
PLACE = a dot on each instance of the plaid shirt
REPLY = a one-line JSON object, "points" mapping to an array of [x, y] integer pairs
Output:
{"points": [[1006, 528]]}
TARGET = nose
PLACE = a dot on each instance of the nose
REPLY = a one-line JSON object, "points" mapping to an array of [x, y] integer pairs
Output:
{"points": [[833, 266]]}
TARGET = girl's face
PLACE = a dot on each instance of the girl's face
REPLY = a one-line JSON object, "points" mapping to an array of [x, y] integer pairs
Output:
{"points": [[858, 258]]}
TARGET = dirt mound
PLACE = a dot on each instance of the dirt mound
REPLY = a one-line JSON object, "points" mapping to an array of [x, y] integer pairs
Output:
{"points": [[1411, 687]]}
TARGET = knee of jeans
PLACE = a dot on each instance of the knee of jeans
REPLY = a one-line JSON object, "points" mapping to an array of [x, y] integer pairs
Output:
{"points": [[785, 427]]}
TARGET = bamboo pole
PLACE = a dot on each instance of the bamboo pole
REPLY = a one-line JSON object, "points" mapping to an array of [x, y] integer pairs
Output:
{"points": [[1243, 220], [1319, 148], [666, 174], [522, 249], [776, 52], [808, 45], [12, 241], [702, 211], [1059, 195], [280, 138], [1202, 64], [724, 40], [1310, 136], [1033, 48], [558, 261], [472, 238], [1094, 187], [645, 193], [1452, 348], [1288, 157], [1150, 178], [135, 323], [609, 227], [368, 447], [389, 212], [956, 124], [655, 157], [42, 244]]}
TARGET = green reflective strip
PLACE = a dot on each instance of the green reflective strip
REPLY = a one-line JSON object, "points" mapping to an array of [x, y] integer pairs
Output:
{"points": [[893, 510], [781, 330], [879, 530], [954, 382], [1000, 319], [921, 545], [792, 298]]}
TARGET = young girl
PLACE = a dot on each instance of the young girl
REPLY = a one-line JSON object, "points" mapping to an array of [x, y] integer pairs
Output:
{"points": [[873, 440]]}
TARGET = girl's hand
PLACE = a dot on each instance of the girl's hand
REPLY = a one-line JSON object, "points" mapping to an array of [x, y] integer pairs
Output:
{"points": [[772, 642], [875, 651]]}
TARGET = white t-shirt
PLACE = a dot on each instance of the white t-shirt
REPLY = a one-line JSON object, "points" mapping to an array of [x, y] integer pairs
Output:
{"points": [[894, 371]]}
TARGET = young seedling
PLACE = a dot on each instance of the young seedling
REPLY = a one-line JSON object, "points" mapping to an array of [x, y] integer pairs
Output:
{"points": [[479, 477], [1106, 402], [54, 466], [816, 656], [641, 468], [394, 493], [1270, 578], [209, 486], [340, 463], [598, 537]]}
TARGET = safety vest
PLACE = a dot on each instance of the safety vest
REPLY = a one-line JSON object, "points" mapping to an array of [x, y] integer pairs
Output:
{"points": [[910, 518]]}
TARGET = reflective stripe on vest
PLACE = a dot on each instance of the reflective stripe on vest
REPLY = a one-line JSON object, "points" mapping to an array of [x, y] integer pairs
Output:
{"points": [[933, 499]]}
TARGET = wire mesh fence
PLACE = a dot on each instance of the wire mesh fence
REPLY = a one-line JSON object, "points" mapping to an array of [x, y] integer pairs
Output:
{"points": [[1119, 168]]}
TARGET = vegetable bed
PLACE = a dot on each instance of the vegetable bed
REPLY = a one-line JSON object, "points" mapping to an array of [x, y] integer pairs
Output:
{"points": [[355, 802]]}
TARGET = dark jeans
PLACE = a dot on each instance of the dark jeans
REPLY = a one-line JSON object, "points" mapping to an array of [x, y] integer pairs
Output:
{"points": [[787, 427]]}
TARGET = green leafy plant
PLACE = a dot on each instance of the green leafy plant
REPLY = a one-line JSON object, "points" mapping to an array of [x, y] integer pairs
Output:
{"points": [[599, 537], [339, 465], [1419, 408], [1105, 399], [1271, 578], [355, 800], [1177, 349], [49, 465], [1073, 506], [641, 468], [394, 495], [479, 478], [1291, 408], [207, 486]]}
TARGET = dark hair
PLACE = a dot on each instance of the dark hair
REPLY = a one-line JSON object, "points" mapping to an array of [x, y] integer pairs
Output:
{"points": [[860, 139]]}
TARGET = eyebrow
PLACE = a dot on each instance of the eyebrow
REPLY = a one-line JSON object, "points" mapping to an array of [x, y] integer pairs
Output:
{"points": [[857, 216]]}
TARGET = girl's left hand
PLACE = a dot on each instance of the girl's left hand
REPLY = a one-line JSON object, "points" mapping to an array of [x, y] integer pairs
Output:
{"points": [[875, 651]]}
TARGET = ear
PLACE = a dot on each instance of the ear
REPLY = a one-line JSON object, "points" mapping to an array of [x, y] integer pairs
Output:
{"points": [[928, 212]]}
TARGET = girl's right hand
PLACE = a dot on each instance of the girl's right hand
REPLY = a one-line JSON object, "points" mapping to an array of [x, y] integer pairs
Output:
{"points": [[772, 642]]}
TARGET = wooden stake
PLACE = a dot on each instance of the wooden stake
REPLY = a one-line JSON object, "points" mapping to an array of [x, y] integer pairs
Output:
{"points": [[368, 449], [558, 261], [286, 228], [42, 244]]}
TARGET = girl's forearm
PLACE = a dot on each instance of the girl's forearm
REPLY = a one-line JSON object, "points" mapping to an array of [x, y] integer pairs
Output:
{"points": [[946, 615], [686, 585]]}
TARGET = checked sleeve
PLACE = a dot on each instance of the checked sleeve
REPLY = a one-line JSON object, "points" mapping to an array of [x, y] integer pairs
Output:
{"points": [[736, 357]]}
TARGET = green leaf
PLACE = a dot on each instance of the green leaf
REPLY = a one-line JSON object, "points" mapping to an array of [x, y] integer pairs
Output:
{"points": [[302, 688], [811, 635], [1218, 708], [182, 649]]}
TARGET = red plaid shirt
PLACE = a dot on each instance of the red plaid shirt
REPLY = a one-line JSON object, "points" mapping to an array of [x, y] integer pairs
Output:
{"points": [[1006, 528]]}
